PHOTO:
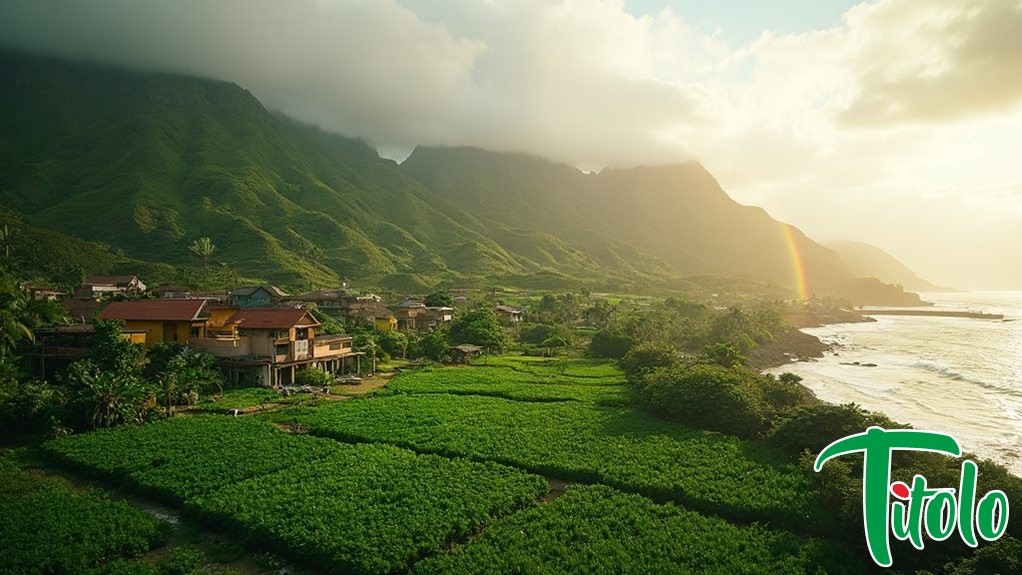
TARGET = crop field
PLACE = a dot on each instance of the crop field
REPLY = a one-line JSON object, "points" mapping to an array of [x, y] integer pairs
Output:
{"points": [[47, 526], [346, 508], [596, 529], [566, 370], [179, 458], [243, 398], [369, 508], [511, 384], [624, 448]]}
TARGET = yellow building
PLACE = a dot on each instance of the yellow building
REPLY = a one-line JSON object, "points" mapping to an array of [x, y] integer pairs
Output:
{"points": [[388, 323], [162, 320]]}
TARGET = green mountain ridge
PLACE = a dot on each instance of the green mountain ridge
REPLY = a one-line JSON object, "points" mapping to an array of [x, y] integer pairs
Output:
{"points": [[138, 165]]}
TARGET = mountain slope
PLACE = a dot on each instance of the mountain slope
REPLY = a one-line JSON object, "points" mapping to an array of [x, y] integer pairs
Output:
{"points": [[146, 163], [866, 260], [678, 213], [149, 162]]}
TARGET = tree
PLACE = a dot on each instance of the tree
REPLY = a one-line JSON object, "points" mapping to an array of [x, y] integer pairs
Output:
{"points": [[646, 357], [203, 248], [434, 345], [554, 342], [7, 236], [114, 354], [19, 315], [439, 299], [366, 342], [479, 327], [313, 377], [723, 354], [393, 342], [704, 397], [613, 344], [108, 399]]}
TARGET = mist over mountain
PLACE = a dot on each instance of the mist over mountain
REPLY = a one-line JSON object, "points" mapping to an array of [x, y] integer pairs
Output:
{"points": [[865, 260], [144, 163]]}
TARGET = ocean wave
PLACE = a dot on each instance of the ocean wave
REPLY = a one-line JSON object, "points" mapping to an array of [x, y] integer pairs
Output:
{"points": [[949, 373]]}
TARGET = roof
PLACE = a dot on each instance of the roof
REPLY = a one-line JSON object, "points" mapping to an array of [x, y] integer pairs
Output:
{"points": [[270, 289], [272, 318], [109, 280], [321, 294], [468, 348], [508, 309], [155, 310], [410, 303]]}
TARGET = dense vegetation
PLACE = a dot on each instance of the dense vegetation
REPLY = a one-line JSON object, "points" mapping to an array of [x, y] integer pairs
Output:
{"points": [[574, 440], [368, 508], [595, 529], [510, 383], [349, 508], [47, 526]]}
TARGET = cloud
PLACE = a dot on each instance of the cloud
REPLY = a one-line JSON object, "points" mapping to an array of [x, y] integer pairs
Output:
{"points": [[934, 61], [877, 128], [574, 81]]}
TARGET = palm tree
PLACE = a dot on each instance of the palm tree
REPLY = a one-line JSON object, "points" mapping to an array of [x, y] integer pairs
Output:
{"points": [[15, 319], [203, 248], [7, 235]]}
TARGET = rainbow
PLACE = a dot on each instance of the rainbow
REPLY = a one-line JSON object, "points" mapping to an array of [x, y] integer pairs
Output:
{"points": [[797, 265]]}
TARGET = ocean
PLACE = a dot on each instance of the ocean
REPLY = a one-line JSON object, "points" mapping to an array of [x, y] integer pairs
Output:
{"points": [[952, 375]]}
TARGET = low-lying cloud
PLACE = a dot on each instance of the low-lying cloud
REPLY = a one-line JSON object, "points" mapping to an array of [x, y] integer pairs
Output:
{"points": [[898, 103]]}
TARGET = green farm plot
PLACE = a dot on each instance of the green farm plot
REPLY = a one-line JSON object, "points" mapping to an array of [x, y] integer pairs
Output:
{"points": [[510, 384], [566, 370], [596, 529], [242, 398], [182, 457], [369, 508], [46, 526], [347, 508], [624, 448]]}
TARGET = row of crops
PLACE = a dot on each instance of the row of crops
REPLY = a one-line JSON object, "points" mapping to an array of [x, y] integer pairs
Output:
{"points": [[624, 448], [345, 508], [566, 370], [596, 529], [47, 526], [510, 384]]}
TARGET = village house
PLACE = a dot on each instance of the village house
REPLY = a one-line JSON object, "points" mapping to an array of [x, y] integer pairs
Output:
{"points": [[268, 346], [508, 314], [256, 296], [39, 293], [329, 301], [163, 320], [55, 348], [173, 292], [464, 353], [99, 286]]}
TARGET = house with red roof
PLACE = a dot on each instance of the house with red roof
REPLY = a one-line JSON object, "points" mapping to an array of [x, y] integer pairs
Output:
{"points": [[269, 346]]}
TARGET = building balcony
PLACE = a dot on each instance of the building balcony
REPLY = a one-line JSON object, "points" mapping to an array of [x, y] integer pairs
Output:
{"points": [[229, 346]]}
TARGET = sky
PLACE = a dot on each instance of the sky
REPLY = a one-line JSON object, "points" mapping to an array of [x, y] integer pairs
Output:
{"points": [[894, 122]]}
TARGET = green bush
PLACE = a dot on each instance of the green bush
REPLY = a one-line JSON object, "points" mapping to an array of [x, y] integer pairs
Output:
{"points": [[646, 357], [611, 344], [704, 397], [313, 377]]}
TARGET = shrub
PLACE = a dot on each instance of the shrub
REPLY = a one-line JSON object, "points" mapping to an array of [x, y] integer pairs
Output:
{"points": [[646, 357], [705, 397], [612, 344], [816, 426], [313, 377]]}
